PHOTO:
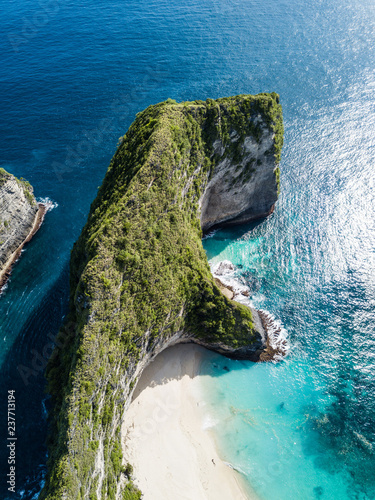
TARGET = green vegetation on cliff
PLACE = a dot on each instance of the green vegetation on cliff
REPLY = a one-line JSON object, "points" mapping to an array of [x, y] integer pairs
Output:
{"points": [[4, 176], [26, 186], [139, 276]]}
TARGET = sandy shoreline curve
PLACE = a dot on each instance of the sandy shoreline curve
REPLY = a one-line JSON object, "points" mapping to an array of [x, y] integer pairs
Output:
{"points": [[8, 266], [173, 457]]}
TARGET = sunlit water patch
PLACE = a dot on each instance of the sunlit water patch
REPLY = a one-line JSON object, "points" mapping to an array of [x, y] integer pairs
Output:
{"points": [[305, 428]]}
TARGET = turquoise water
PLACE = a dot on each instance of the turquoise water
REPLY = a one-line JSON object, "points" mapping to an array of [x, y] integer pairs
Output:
{"points": [[72, 77], [305, 428]]}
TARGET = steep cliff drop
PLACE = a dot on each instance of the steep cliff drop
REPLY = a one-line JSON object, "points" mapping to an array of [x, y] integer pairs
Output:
{"points": [[140, 280], [20, 218]]}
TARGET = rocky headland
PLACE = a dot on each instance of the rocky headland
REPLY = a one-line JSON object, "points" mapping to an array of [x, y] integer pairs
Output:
{"points": [[140, 280], [20, 218]]}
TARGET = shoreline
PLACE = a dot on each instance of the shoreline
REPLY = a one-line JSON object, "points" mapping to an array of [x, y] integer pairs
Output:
{"points": [[164, 439], [275, 344], [8, 266]]}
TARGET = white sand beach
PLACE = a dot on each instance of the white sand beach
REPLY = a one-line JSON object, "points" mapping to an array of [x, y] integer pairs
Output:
{"points": [[173, 457]]}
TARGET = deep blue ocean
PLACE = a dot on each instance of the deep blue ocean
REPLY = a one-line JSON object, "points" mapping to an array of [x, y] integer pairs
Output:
{"points": [[73, 75]]}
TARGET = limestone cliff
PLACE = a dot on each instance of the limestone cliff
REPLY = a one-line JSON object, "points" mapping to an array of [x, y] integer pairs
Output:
{"points": [[140, 280], [244, 185], [20, 217]]}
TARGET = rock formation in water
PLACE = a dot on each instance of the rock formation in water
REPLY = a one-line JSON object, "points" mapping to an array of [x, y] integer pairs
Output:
{"points": [[20, 218], [140, 279]]}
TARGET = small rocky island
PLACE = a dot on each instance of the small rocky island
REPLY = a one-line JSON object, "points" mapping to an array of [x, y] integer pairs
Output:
{"points": [[140, 280], [20, 218]]}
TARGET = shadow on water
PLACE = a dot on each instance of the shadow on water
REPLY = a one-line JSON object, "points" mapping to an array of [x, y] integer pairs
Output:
{"points": [[23, 371], [236, 230], [225, 236]]}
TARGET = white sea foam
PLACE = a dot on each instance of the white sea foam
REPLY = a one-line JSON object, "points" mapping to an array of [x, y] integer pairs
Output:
{"points": [[209, 235], [209, 422], [227, 273], [277, 335], [49, 204], [40, 484], [236, 468]]}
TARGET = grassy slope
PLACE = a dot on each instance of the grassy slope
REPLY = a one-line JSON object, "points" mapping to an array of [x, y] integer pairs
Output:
{"points": [[139, 274]]}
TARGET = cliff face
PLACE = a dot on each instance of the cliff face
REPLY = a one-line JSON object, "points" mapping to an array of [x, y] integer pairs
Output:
{"points": [[243, 186], [140, 280], [18, 219]]}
